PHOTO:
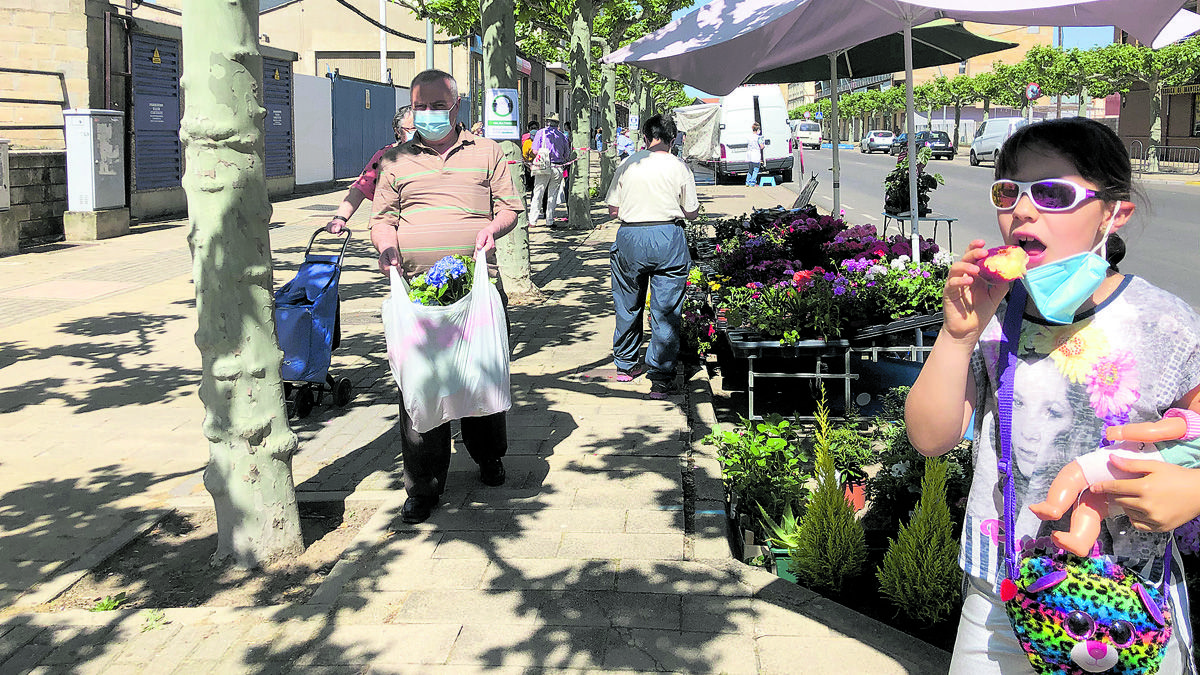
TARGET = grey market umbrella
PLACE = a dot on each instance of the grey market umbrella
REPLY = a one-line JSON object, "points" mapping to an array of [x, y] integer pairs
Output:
{"points": [[718, 46], [934, 44]]}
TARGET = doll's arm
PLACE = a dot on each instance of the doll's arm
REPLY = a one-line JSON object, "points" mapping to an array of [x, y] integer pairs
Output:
{"points": [[1177, 424]]}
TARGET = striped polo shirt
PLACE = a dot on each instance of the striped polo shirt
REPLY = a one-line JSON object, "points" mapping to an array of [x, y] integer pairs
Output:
{"points": [[438, 204]]}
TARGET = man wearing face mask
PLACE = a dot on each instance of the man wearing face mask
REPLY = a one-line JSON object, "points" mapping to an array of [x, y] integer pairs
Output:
{"points": [[446, 191]]}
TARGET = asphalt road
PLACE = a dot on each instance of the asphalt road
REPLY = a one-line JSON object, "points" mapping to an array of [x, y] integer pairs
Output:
{"points": [[1163, 238]]}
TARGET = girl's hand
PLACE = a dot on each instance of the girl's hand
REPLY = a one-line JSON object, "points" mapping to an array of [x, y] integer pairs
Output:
{"points": [[1160, 500], [968, 301]]}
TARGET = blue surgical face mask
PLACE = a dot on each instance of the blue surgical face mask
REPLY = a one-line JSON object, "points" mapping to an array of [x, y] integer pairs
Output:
{"points": [[1058, 288], [432, 125]]}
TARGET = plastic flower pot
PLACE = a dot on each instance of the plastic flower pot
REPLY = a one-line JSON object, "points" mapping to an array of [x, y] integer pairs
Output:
{"points": [[783, 564], [856, 494]]}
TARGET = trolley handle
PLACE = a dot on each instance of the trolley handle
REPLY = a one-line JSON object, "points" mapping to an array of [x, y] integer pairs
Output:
{"points": [[345, 243]]}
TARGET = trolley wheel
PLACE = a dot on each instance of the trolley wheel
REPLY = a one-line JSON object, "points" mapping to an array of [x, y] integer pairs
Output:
{"points": [[304, 401], [342, 393]]}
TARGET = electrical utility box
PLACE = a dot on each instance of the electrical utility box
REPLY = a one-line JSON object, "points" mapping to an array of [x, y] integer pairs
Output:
{"points": [[95, 159]]}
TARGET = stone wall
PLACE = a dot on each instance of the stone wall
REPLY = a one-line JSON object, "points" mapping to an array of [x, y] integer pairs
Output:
{"points": [[39, 194]]}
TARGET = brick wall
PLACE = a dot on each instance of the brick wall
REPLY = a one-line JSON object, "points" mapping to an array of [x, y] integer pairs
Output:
{"points": [[49, 35], [39, 194]]}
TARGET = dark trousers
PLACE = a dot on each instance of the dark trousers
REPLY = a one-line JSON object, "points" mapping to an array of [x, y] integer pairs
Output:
{"points": [[427, 455], [654, 257]]}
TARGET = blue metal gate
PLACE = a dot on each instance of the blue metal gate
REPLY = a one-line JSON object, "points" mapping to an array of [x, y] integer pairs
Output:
{"points": [[277, 99], [362, 122], [157, 154]]}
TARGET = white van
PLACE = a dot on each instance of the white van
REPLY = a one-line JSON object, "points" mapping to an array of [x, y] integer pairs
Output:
{"points": [[991, 134], [808, 134], [762, 103]]}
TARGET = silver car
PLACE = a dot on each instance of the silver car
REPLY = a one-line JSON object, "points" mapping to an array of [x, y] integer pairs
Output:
{"points": [[876, 140]]}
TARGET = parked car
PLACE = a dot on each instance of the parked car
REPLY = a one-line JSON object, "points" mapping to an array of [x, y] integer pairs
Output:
{"points": [[990, 137], [808, 134], [876, 140], [938, 142]]}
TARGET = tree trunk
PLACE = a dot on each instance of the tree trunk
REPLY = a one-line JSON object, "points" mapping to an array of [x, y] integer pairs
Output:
{"points": [[608, 108], [635, 101], [957, 121], [579, 204], [249, 473], [1081, 111], [500, 53], [987, 107], [1156, 125]]}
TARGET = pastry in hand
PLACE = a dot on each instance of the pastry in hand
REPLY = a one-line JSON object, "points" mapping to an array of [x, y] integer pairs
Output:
{"points": [[1003, 264]]}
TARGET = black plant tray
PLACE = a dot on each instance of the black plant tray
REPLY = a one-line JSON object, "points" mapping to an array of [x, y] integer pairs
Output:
{"points": [[898, 326]]}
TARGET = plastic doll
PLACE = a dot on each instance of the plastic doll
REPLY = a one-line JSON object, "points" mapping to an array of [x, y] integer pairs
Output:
{"points": [[1130, 440]]}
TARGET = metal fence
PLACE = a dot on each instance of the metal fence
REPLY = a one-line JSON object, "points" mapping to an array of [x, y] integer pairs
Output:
{"points": [[60, 103], [1176, 159]]}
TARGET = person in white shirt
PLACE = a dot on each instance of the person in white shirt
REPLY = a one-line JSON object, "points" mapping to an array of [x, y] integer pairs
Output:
{"points": [[651, 193], [754, 155]]}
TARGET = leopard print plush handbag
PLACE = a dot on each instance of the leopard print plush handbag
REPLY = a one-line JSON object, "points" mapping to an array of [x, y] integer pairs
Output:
{"points": [[1072, 614]]}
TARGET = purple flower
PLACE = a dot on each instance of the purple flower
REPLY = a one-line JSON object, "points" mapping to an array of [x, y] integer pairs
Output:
{"points": [[839, 290]]}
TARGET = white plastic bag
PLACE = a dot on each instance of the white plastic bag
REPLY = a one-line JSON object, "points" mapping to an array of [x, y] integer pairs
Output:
{"points": [[450, 362]]}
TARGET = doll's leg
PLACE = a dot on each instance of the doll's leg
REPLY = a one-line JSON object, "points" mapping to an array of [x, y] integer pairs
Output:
{"points": [[1085, 525], [1065, 489]]}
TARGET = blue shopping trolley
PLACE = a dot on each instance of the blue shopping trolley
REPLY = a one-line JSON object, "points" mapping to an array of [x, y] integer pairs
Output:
{"points": [[308, 324]]}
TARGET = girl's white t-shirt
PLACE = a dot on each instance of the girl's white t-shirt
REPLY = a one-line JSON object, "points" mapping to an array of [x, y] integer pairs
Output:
{"points": [[1127, 360]]}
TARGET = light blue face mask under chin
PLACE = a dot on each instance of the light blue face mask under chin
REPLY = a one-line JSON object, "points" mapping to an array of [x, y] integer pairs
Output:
{"points": [[1059, 288]]}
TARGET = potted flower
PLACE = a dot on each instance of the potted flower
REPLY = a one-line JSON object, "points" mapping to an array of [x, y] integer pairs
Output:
{"points": [[852, 453], [895, 184]]}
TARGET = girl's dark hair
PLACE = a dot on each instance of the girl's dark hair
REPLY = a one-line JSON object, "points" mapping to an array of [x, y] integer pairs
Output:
{"points": [[658, 128], [1094, 149]]}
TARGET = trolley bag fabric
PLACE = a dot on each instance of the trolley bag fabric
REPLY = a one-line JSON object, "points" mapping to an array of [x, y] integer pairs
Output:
{"points": [[305, 319], [452, 361]]}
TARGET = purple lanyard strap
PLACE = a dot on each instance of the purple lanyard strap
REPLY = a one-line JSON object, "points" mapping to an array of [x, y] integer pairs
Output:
{"points": [[1011, 336]]}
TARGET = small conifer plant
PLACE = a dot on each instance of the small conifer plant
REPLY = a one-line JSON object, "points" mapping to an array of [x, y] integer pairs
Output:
{"points": [[831, 549], [920, 573]]}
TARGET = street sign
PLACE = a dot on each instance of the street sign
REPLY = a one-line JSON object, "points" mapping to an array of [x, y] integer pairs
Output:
{"points": [[1033, 91], [501, 117], [819, 115]]}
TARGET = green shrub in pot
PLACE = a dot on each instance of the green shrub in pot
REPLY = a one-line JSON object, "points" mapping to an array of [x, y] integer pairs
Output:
{"points": [[831, 548], [763, 463], [920, 573]]}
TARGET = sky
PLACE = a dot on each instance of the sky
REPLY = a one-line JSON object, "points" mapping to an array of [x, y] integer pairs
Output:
{"points": [[1083, 38]]}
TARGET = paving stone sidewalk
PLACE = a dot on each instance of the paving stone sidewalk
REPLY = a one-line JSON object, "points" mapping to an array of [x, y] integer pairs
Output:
{"points": [[604, 552]]}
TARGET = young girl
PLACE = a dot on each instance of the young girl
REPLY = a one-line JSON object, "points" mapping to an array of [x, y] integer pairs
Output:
{"points": [[1096, 349]]}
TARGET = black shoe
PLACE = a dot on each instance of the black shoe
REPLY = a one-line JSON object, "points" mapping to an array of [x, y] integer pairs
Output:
{"points": [[492, 473], [660, 389], [417, 509]]}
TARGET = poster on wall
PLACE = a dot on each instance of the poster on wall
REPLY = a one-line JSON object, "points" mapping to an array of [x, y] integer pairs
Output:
{"points": [[501, 117]]}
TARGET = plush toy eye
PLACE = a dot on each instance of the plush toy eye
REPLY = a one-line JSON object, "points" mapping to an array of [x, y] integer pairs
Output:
{"points": [[1121, 633], [1080, 625]]}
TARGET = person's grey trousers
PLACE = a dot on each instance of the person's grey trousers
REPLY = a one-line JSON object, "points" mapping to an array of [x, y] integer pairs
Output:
{"points": [[655, 257]]}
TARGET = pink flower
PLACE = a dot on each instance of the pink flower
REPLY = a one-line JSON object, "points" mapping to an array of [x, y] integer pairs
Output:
{"points": [[1112, 384]]}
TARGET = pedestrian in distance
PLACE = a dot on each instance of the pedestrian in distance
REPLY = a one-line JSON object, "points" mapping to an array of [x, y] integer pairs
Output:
{"points": [[443, 192], [527, 153], [364, 187], [754, 154], [1094, 349], [551, 150], [599, 143], [624, 143], [652, 193]]}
